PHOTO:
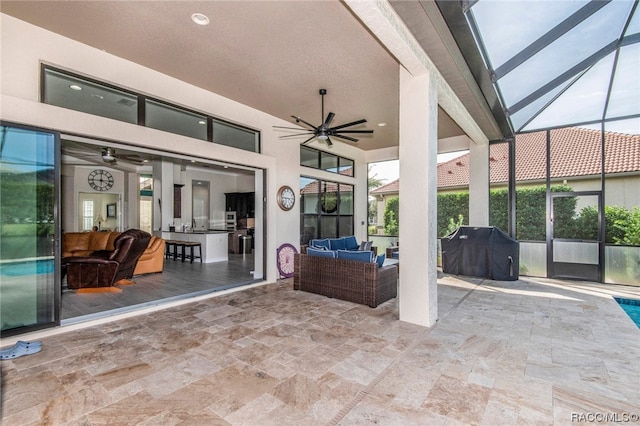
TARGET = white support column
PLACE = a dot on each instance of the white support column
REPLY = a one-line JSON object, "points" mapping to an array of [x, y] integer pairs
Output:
{"points": [[418, 202], [479, 184], [163, 191]]}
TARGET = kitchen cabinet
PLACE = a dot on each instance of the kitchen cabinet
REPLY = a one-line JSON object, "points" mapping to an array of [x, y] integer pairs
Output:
{"points": [[243, 203]]}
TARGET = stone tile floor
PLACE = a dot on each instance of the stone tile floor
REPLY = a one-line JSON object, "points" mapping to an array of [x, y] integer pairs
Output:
{"points": [[532, 351]]}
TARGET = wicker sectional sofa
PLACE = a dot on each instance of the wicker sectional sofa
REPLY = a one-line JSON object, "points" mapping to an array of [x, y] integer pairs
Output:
{"points": [[350, 280]]}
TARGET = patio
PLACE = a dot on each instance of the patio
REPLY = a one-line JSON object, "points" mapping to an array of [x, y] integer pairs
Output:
{"points": [[533, 351]]}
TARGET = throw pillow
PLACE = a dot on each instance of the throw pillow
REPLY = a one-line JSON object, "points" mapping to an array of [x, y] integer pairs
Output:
{"points": [[320, 243], [366, 245], [337, 244], [321, 252], [380, 260], [351, 243], [360, 256]]}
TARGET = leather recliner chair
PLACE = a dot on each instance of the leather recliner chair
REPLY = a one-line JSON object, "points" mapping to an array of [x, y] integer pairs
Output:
{"points": [[104, 268]]}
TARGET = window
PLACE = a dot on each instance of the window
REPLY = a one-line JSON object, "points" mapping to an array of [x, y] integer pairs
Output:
{"points": [[67, 90], [321, 160], [326, 209], [87, 215]]}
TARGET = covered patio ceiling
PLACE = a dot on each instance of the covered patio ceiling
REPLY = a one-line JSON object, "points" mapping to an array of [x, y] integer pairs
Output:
{"points": [[549, 64]]}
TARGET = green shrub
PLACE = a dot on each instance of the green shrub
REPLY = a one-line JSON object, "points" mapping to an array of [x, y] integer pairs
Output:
{"points": [[392, 216]]}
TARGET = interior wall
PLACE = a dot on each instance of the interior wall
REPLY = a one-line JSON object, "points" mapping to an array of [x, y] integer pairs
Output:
{"points": [[25, 47]]}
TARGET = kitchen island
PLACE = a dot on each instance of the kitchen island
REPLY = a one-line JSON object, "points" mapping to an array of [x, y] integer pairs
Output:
{"points": [[214, 244]]}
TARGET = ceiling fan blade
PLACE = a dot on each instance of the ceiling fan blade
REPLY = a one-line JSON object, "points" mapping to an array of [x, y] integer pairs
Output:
{"points": [[327, 122], [298, 119], [355, 131], [345, 137], [308, 140], [297, 134], [328, 140], [288, 128], [353, 123]]}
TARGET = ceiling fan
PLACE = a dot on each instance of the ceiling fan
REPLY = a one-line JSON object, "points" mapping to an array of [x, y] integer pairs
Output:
{"points": [[106, 154], [324, 131], [109, 156]]}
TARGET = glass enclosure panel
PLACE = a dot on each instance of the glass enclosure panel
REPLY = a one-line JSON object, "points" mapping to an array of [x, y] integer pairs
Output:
{"points": [[308, 196], [309, 157], [575, 217], [346, 199], [621, 265], [80, 95], [583, 101], [533, 259], [346, 166], [498, 21], [626, 84], [175, 120], [531, 201], [594, 33], [328, 162], [576, 159], [575, 252], [499, 189], [236, 137], [28, 287]]}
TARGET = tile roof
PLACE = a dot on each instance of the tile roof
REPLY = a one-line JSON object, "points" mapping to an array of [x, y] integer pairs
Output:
{"points": [[622, 156]]}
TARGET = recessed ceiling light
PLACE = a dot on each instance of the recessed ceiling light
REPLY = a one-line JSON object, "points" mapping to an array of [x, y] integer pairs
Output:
{"points": [[382, 124], [97, 96], [145, 161], [193, 161], [75, 87], [202, 122], [200, 19]]}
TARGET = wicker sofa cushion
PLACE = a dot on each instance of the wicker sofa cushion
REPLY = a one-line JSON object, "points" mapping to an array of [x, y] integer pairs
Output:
{"points": [[312, 251], [351, 243], [360, 256]]}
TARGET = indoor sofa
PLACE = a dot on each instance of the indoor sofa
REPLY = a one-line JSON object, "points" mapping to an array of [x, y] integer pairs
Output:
{"points": [[355, 281], [82, 244]]}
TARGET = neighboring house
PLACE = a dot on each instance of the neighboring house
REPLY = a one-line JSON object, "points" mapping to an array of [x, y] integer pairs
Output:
{"points": [[581, 172]]}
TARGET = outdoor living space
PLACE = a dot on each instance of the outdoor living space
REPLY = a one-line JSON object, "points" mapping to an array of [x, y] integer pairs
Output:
{"points": [[532, 351]]}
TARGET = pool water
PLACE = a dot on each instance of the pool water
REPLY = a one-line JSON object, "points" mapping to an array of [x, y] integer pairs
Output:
{"points": [[29, 267], [631, 307]]}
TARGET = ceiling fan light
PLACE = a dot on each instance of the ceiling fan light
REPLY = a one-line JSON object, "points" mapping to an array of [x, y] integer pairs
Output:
{"points": [[107, 155], [323, 137]]}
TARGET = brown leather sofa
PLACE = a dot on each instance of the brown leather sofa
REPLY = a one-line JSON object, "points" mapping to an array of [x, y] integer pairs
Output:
{"points": [[76, 244], [105, 268]]}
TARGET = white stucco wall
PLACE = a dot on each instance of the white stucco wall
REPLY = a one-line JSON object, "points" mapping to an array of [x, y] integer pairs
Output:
{"points": [[25, 47]]}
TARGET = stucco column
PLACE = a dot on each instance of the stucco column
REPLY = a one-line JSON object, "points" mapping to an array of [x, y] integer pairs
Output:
{"points": [[418, 202], [479, 184], [163, 191]]}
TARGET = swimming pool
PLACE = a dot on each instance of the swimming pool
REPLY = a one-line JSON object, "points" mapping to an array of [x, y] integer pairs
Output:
{"points": [[631, 307], [28, 267]]}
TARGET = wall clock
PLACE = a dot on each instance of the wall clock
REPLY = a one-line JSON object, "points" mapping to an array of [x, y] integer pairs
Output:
{"points": [[286, 198], [285, 260], [100, 180]]}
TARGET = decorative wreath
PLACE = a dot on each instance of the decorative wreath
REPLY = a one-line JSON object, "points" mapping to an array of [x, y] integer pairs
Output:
{"points": [[285, 259], [329, 202]]}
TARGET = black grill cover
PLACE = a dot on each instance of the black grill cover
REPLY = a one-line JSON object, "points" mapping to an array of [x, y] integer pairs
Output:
{"points": [[485, 252]]}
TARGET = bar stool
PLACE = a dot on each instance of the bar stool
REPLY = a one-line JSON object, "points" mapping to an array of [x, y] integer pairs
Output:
{"points": [[171, 245], [191, 245]]}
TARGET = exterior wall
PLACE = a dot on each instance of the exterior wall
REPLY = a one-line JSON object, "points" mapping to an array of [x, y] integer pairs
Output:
{"points": [[25, 47]]}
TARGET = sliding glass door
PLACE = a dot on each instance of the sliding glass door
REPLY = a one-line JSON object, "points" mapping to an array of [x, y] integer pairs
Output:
{"points": [[29, 276]]}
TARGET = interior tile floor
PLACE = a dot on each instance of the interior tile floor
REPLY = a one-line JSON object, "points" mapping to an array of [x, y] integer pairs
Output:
{"points": [[177, 280], [533, 351]]}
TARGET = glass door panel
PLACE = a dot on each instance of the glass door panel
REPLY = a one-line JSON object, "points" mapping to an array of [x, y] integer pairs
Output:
{"points": [[29, 284], [575, 236]]}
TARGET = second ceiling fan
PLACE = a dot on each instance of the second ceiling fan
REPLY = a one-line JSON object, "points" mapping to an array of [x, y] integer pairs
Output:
{"points": [[324, 131]]}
